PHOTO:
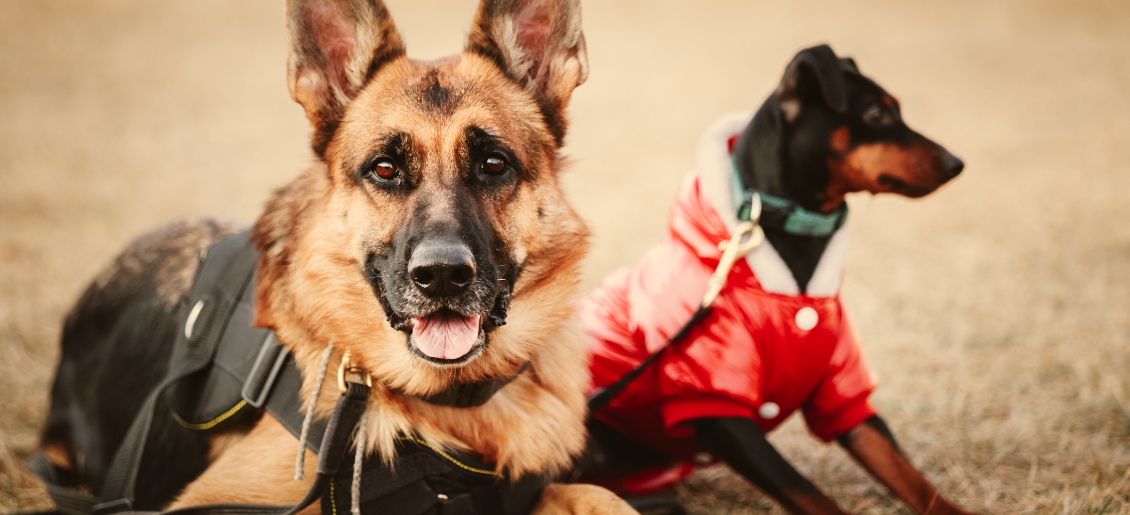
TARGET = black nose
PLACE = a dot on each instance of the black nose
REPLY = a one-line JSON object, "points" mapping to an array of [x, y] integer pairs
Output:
{"points": [[442, 268], [951, 164]]}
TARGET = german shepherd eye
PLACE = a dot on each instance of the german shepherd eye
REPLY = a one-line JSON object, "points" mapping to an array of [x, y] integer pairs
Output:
{"points": [[495, 164], [385, 170], [878, 116]]}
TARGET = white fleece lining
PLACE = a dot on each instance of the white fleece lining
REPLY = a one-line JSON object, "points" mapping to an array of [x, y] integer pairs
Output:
{"points": [[714, 166], [712, 160], [829, 274]]}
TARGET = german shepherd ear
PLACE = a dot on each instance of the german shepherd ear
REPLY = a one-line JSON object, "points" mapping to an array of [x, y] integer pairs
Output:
{"points": [[813, 74], [539, 44], [335, 48]]}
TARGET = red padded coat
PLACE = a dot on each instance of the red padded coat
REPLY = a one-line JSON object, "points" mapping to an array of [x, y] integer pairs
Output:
{"points": [[759, 354]]}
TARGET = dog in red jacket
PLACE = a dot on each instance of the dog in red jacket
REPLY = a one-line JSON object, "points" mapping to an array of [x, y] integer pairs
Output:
{"points": [[778, 339]]}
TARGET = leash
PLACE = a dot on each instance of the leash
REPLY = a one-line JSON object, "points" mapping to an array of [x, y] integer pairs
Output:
{"points": [[747, 237]]}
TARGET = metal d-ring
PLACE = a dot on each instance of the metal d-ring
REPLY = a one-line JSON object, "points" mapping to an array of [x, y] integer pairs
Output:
{"points": [[747, 237], [347, 367]]}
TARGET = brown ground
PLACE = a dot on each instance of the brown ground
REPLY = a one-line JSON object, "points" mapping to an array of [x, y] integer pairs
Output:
{"points": [[996, 312]]}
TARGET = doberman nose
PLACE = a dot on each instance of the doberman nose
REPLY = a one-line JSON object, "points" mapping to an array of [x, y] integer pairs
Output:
{"points": [[442, 267], [951, 164]]}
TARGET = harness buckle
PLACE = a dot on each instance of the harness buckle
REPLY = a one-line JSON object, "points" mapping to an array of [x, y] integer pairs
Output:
{"points": [[747, 236], [110, 507], [261, 379], [347, 367]]}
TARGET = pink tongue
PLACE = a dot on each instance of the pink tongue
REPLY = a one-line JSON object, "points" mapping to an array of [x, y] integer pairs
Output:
{"points": [[445, 336]]}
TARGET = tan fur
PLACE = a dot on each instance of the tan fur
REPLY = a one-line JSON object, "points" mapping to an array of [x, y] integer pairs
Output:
{"points": [[58, 455], [222, 442], [862, 168], [257, 469], [577, 499], [316, 231]]}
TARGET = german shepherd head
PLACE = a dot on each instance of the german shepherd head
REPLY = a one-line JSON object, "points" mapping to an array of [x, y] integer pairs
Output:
{"points": [[431, 239]]}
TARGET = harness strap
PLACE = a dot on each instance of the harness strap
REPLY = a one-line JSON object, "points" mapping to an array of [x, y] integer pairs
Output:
{"points": [[339, 434], [232, 279], [67, 501], [471, 395], [217, 330]]}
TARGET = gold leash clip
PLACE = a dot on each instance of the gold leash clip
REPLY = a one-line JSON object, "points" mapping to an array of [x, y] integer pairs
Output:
{"points": [[747, 236], [347, 367]]}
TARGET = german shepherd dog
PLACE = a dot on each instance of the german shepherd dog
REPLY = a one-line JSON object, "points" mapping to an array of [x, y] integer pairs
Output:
{"points": [[431, 217]]}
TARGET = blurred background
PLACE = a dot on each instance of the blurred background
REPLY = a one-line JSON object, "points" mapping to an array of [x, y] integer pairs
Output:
{"points": [[996, 312]]}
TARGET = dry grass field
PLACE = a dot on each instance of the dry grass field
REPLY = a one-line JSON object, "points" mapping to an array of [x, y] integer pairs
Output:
{"points": [[995, 312]]}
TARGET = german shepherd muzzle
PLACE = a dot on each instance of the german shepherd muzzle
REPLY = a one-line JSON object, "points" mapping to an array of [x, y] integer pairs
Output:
{"points": [[446, 277]]}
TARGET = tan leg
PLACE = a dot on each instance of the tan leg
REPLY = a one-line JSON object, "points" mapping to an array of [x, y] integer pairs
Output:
{"points": [[876, 453], [258, 469], [562, 499]]}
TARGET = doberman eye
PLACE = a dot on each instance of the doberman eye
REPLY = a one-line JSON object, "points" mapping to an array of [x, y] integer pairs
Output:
{"points": [[878, 116], [385, 170], [495, 164]]}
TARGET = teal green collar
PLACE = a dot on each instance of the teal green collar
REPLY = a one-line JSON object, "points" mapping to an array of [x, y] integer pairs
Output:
{"points": [[777, 212]]}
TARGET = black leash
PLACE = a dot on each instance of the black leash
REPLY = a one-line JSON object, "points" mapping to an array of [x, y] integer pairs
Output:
{"points": [[603, 396], [747, 236]]}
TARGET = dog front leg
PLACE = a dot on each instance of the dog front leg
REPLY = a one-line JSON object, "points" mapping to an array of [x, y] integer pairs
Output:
{"points": [[259, 469], [580, 499], [873, 446], [742, 445]]}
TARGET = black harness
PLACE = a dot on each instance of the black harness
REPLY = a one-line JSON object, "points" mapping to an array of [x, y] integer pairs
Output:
{"points": [[223, 370]]}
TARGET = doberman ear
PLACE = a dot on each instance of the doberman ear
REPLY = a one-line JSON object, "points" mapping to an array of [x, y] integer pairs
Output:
{"points": [[537, 43], [847, 63], [335, 48], [814, 73]]}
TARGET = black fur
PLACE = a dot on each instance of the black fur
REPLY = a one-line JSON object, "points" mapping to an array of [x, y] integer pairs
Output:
{"points": [[748, 452], [116, 347], [437, 97]]}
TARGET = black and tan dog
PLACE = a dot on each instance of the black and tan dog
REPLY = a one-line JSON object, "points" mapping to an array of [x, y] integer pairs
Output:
{"points": [[432, 217], [778, 339]]}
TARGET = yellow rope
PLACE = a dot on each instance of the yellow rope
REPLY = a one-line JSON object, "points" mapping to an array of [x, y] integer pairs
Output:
{"points": [[449, 458], [210, 425], [333, 499]]}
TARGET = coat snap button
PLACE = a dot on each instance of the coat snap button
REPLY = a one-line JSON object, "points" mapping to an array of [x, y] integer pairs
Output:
{"points": [[769, 410], [806, 318]]}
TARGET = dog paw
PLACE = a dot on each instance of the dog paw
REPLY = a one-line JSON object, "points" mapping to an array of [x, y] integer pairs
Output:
{"points": [[577, 499]]}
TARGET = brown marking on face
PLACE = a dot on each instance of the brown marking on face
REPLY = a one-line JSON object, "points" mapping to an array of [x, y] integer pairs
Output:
{"points": [[913, 171], [889, 101], [841, 139]]}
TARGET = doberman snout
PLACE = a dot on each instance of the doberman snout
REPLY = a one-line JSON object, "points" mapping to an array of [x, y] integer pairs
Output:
{"points": [[951, 165], [442, 268]]}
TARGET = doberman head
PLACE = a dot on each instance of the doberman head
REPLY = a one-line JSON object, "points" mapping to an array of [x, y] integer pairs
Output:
{"points": [[828, 131]]}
